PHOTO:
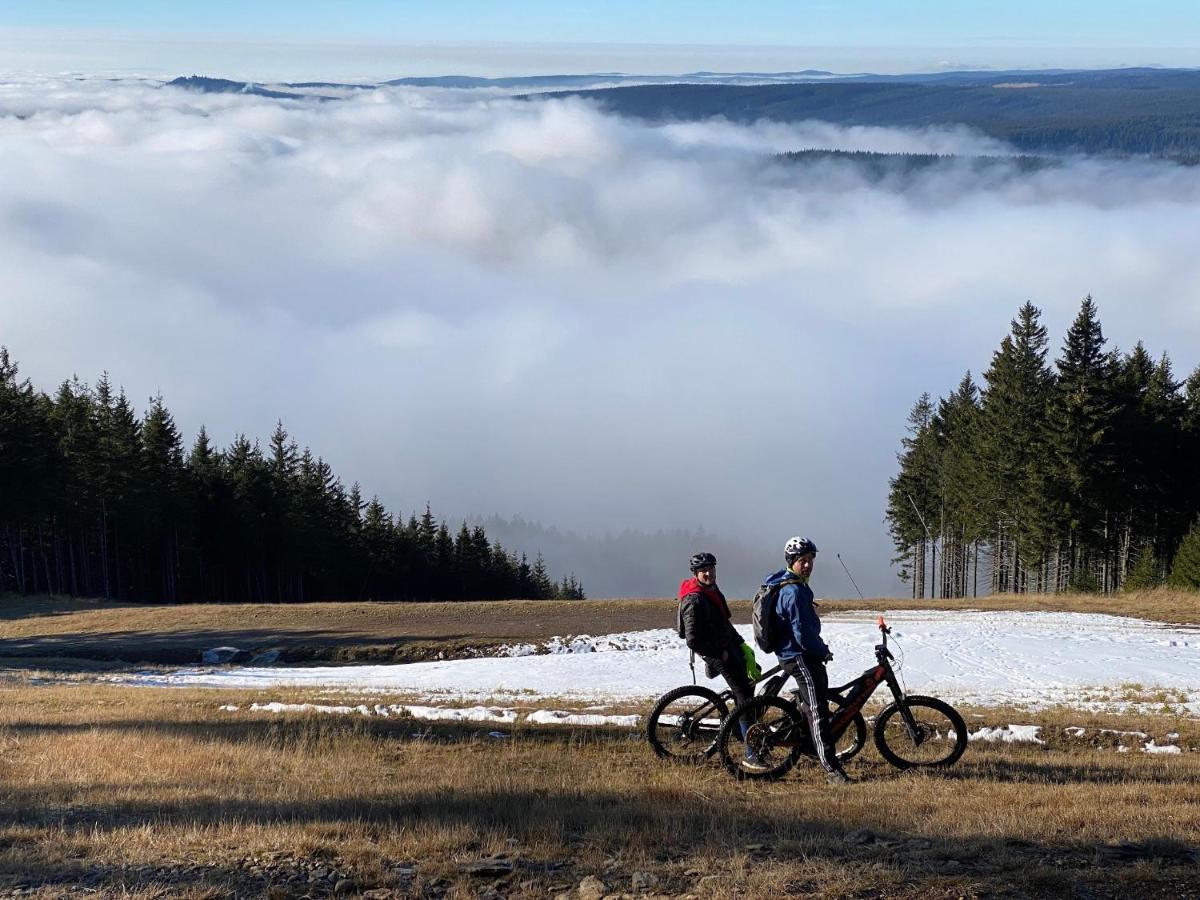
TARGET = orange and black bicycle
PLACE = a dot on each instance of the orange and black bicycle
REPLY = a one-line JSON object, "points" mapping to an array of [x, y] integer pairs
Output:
{"points": [[912, 732]]}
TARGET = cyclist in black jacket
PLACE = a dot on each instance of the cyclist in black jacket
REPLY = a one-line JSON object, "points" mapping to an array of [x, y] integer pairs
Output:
{"points": [[706, 625]]}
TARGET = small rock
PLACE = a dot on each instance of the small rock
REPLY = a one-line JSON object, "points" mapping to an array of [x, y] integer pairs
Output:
{"points": [[218, 655], [591, 888], [488, 867], [643, 881]]}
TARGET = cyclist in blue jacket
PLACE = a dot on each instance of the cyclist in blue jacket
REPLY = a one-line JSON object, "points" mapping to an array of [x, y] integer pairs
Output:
{"points": [[796, 631]]}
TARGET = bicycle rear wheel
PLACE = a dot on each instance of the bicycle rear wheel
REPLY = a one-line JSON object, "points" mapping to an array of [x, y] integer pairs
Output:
{"points": [[853, 739], [684, 722], [771, 744], [939, 740]]}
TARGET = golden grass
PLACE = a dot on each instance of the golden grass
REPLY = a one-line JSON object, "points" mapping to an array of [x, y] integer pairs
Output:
{"points": [[141, 793]]}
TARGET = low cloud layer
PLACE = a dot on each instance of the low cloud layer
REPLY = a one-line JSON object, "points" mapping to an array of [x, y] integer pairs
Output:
{"points": [[534, 308]]}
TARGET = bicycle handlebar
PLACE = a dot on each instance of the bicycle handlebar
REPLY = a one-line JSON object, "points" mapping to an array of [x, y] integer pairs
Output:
{"points": [[884, 630]]}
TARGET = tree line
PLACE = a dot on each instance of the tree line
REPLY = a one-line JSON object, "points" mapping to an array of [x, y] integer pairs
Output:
{"points": [[95, 501], [1080, 475]]}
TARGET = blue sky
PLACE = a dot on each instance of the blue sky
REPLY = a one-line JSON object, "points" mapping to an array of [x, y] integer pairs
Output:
{"points": [[915, 23], [373, 39]]}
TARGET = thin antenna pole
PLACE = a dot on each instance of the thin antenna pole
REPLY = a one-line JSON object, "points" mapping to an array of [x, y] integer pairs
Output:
{"points": [[851, 577]]}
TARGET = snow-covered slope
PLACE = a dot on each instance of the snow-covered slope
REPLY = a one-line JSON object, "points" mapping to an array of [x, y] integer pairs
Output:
{"points": [[981, 657]]}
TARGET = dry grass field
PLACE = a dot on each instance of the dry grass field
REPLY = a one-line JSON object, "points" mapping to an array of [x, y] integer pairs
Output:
{"points": [[153, 793], [129, 792], [47, 627]]}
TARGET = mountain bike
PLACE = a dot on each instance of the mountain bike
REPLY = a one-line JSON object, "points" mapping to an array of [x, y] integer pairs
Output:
{"points": [[684, 722], [912, 732]]}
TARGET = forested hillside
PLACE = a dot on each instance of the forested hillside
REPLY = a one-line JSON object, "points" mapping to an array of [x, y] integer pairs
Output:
{"points": [[97, 502], [1138, 112], [1081, 475]]}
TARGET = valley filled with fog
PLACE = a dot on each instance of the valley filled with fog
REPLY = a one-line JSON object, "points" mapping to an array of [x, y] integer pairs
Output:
{"points": [[534, 308]]}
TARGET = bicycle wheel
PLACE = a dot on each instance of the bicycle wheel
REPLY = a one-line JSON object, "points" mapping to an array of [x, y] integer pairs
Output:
{"points": [[684, 722], [771, 744], [940, 739], [853, 739]]}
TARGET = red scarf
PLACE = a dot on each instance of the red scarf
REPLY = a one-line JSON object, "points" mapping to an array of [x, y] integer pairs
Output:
{"points": [[715, 597]]}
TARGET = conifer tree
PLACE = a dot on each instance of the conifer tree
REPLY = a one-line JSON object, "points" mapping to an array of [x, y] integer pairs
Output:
{"points": [[1081, 422], [1013, 455], [1185, 572]]}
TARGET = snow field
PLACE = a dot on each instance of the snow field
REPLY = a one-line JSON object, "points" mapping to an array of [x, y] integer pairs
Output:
{"points": [[1028, 660]]}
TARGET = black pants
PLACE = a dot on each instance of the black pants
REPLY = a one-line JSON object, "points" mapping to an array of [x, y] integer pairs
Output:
{"points": [[810, 675], [733, 670]]}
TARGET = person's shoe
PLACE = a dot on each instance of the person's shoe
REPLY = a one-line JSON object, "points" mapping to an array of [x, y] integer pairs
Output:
{"points": [[754, 763], [837, 776]]}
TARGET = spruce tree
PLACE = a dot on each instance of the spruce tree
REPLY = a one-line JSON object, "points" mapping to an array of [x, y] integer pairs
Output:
{"points": [[1013, 455], [543, 585], [1185, 571], [913, 494], [1081, 420], [1145, 573]]}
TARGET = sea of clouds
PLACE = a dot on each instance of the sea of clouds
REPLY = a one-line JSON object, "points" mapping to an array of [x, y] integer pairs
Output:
{"points": [[534, 307]]}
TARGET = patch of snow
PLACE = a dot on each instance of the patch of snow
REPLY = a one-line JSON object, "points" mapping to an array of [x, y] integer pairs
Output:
{"points": [[277, 707], [517, 650], [558, 717], [470, 714], [1075, 731], [1152, 747], [1136, 734], [1009, 734], [229, 707]]}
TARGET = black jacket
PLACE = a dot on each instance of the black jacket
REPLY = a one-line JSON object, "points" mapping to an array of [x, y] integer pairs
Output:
{"points": [[706, 629]]}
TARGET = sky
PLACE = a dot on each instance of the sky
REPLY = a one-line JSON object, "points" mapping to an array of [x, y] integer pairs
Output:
{"points": [[540, 309], [374, 39]]}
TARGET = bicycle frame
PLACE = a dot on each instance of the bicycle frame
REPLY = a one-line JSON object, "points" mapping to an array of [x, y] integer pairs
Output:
{"points": [[852, 696]]}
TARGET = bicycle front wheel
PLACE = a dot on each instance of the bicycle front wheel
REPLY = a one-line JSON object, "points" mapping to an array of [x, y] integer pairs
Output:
{"points": [[684, 722], [771, 743], [939, 739]]}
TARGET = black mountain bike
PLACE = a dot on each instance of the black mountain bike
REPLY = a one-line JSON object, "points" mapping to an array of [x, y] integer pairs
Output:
{"points": [[912, 732], [684, 722]]}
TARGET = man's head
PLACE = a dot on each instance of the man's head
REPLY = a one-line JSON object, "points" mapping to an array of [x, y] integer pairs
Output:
{"points": [[704, 567], [800, 554]]}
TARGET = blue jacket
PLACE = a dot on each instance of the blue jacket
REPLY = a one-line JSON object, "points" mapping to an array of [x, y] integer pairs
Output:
{"points": [[796, 629]]}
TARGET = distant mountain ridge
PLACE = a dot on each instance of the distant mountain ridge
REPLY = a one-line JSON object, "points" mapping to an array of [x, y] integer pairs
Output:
{"points": [[1129, 111], [1133, 111]]}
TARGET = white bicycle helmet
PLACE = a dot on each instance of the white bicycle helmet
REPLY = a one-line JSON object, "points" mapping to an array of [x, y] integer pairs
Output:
{"points": [[798, 546]]}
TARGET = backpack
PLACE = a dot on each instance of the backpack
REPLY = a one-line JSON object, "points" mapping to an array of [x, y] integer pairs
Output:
{"points": [[763, 613]]}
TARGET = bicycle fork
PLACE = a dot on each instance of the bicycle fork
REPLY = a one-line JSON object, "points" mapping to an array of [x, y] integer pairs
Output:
{"points": [[915, 733]]}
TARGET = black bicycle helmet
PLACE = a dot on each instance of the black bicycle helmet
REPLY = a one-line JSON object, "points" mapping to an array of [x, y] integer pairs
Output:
{"points": [[701, 561]]}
